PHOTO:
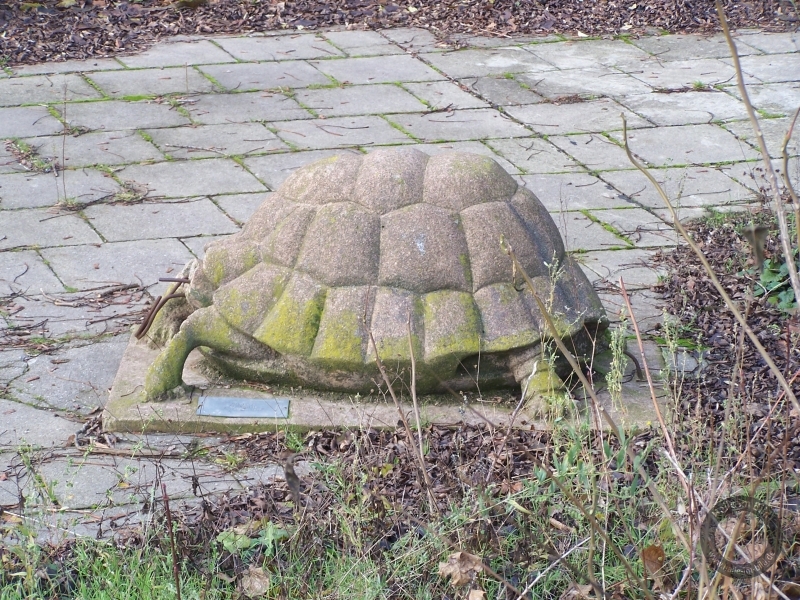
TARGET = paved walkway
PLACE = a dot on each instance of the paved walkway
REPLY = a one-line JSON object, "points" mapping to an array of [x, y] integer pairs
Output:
{"points": [[166, 150]]}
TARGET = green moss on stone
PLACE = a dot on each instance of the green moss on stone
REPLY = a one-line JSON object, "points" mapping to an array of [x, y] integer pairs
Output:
{"points": [[291, 326], [338, 345], [463, 339]]}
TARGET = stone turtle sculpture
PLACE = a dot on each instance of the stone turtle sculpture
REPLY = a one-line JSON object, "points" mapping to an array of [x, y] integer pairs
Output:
{"points": [[382, 243]]}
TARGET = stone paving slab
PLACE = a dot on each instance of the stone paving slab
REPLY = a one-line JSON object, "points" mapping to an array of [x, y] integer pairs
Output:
{"points": [[685, 73], [774, 68], [116, 116], [593, 82], [209, 141], [27, 121], [679, 47], [151, 82], [71, 188], [534, 155], [25, 272], [243, 107], [605, 267], [102, 148], [23, 424], [278, 47], [773, 130], [774, 99], [596, 152], [459, 125], [41, 89], [192, 178], [243, 77], [687, 107], [272, 170], [778, 43], [155, 220], [40, 227], [378, 69], [126, 411], [340, 132], [573, 191], [481, 63], [240, 206], [359, 100], [200, 52], [687, 145], [580, 233], [444, 95], [79, 385], [502, 91], [580, 117], [362, 43], [692, 186], [87, 267], [69, 66], [571, 55]]}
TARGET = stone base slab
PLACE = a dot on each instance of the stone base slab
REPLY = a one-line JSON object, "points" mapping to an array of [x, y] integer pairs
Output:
{"points": [[127, 411]]}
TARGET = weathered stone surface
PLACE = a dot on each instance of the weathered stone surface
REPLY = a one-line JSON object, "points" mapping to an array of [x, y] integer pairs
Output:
{"points": [[37, 227], [174, 219], [175, 54], [591, 82], [240, 206], [594, 151], [239, 139], [362, 43], [27, 121], [468, 124], [444, 95], [43, 89], [193, 178], [771, 43], [273, 170], [687, 145], [377, 69], [394, 243], [575, 191], [23, 424], [685, 47], [497, 61], [83, 267], [25, 272], [69, 66], [340, 131], [581, 117], [117, 115], [581, 233], [503, 91], [104, 148], [278, 47], [687, 107], [534, 155], [577, 55], [244, 107], [682, 74], [359, 100], [243, 77], [82, 186], [152, 82], [773, 130]]}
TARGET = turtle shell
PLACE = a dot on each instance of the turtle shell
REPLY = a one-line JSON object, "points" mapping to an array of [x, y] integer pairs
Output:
{"points": [[395, 239]]}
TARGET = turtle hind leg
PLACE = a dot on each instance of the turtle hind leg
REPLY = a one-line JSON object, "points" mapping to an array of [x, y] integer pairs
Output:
{"points": [[204, 327], [538, 381]]}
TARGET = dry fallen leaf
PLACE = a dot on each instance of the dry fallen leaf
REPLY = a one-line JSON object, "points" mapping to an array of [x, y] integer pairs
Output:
{"points": [[461, 567], [653, 558], [255, 582], [577, 592], [476, 595]]}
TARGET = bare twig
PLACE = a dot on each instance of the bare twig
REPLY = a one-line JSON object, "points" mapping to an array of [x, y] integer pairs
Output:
{"points": [[175, 571]]}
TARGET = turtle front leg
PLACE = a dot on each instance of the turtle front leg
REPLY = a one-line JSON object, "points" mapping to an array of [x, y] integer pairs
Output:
{"points": [[538, 381], [204, 327]]}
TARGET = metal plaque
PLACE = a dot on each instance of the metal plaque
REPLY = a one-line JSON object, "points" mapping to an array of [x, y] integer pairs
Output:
{"points": [[231, 407]]}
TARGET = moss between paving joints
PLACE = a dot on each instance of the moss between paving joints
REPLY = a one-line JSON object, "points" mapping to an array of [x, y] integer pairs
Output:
{"points": [[126, 410]]}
